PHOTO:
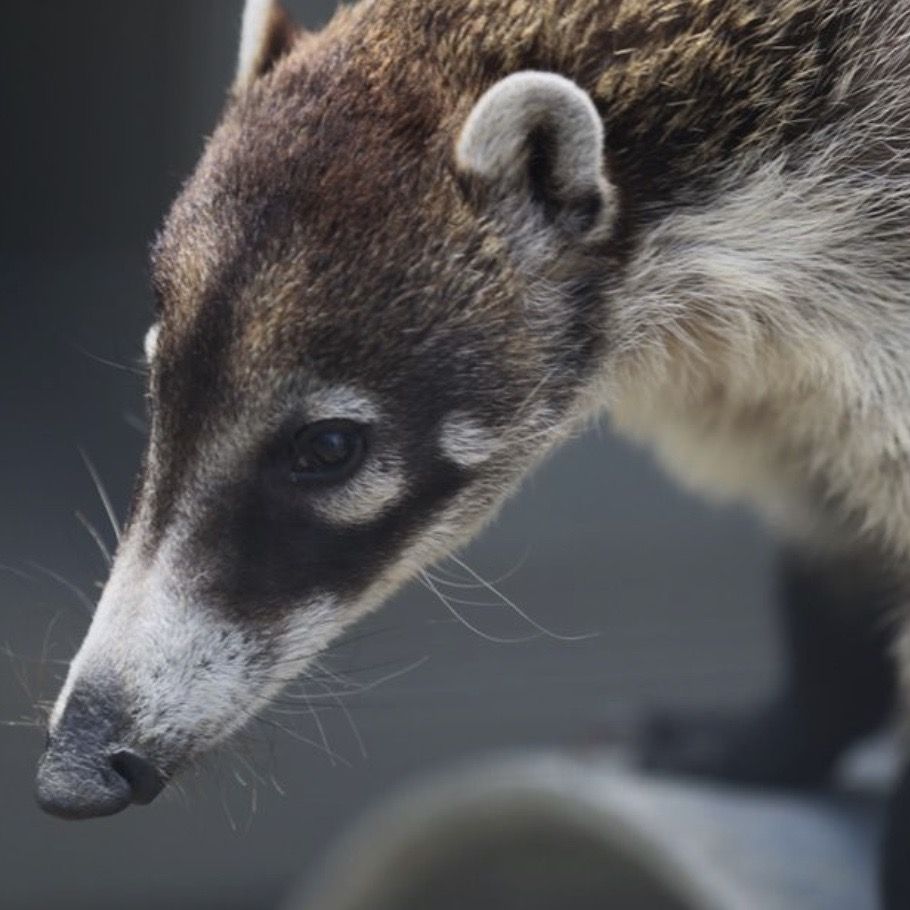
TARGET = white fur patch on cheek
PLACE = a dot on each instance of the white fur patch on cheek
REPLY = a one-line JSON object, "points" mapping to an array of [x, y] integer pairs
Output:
{"points": [[367, 496], [150, 344], [466, 442]]}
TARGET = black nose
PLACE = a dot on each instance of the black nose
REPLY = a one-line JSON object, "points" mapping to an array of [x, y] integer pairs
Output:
{"points": [[77, 786], [81, 775], [142, 776]]}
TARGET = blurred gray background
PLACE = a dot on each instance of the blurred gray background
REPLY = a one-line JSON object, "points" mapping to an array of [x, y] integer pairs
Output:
{"points": [[104, 108]]}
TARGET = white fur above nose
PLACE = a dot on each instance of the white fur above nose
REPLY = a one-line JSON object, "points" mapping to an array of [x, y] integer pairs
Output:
{"points": [[183, 669]]}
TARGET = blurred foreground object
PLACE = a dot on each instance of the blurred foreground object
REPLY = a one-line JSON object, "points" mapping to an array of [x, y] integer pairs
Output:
{"points": [[553, 831]]}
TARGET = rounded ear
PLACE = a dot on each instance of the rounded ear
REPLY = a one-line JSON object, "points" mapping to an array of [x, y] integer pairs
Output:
{"points": [[267, 35], [535, 140]]}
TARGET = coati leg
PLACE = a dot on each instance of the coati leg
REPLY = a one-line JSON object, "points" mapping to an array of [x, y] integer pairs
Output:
{"points": [[839, 685], [895, 876]]}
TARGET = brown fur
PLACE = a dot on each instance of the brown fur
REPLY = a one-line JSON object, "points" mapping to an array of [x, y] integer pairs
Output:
{"points": [[292, 242], [360, 120]]}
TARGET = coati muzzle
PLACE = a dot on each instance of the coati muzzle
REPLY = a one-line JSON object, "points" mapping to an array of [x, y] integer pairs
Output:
{"points": [[85, 771]]}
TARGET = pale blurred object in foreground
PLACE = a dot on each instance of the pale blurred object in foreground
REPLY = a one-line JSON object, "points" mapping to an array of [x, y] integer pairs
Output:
{"points": [[547, 831]]}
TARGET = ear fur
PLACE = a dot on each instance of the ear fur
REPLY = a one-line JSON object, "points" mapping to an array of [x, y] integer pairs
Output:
{"points": [[266, 36], [537, 139]]}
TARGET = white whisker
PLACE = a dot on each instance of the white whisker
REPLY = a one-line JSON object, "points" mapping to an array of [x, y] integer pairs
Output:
{"points": [[344, 709], [102, 493], [74, 589], [496, 639], [96, 536], [107, 362], [322, 733], [300, 738], [474, 585], [510, 603], [17, 572], [135, 422], [365, 687]]}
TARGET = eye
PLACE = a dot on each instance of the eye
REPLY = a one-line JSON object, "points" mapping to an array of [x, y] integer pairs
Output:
{"points": [[330, 450]]}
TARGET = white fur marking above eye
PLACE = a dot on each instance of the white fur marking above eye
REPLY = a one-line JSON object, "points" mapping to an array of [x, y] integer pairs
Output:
{"points": [[150, 344], [342, 403], [466, 442]]}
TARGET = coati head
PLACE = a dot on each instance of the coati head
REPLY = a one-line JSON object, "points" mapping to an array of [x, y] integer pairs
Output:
{"points": [[381, 300]]}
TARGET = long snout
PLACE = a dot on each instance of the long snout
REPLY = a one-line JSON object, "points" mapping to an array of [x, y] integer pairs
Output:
{"points": [[87, 771], [161, 676]]}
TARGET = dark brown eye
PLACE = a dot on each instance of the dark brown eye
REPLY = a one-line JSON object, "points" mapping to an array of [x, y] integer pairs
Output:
{"points": [[328, 450]]}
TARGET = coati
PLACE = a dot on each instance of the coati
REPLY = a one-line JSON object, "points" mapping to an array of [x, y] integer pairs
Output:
{"points": [[427, 244]]}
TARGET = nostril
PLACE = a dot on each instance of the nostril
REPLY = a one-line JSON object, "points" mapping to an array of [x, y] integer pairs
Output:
{"points": [[142, 776]]}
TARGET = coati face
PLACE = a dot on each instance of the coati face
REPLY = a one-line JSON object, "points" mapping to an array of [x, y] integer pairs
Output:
{"points": [[378, 308]]}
